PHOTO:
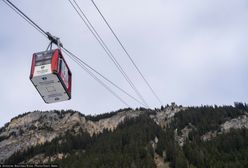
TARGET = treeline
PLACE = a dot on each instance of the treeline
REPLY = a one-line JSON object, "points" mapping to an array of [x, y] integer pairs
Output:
{"points": [[98, 117], [105, 115], [241, 106]]}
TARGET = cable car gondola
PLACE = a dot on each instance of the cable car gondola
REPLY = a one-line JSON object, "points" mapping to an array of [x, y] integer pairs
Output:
{"points": [[51, 75]]}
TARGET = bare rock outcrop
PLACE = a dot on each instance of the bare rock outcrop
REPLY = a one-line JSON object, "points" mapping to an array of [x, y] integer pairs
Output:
{"points": [[40, 127], [236, 123]]}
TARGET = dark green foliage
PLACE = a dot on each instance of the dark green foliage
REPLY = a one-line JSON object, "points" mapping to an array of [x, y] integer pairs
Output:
{"points": [[3, 138], [100, 116], [19, 116], [17, 157], [62, 113], [168, 146], [205, 118], [162, 108], [127, 146], [2, 129], [180, 160], [227, 150], [241, 106], [142, 109], [65, 144]]}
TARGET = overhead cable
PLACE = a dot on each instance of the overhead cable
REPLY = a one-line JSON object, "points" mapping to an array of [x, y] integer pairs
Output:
{"points": [[127, 53], [105, 78], [95, 77], [88, 24]]}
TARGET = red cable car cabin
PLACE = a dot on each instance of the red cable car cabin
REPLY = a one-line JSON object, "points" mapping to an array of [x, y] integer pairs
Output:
{"points": [[51, 76]]}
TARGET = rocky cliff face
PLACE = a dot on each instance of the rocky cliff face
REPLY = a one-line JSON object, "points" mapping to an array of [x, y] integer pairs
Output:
{"points": [[236, 123], [165, 116], [40, 127]]}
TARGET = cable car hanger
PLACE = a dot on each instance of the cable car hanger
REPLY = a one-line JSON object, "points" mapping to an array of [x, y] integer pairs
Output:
{"points": [[54, 39]]}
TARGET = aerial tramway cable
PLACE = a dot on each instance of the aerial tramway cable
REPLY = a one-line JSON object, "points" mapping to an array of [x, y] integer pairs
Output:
{"points": [[127, 53], [105, 47], [105, 78], [95, 77]]}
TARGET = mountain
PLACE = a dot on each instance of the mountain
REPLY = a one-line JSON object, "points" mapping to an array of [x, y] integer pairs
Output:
{"points": [[171, 136]]}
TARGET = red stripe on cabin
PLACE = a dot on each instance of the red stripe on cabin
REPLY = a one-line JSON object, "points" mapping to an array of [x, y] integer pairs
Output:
{"points": [[69, 83], [69, 73], [54, 62], [32, 67]]}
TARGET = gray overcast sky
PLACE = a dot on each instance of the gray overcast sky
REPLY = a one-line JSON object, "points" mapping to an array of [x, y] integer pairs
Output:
{"points": [[192, 52]]}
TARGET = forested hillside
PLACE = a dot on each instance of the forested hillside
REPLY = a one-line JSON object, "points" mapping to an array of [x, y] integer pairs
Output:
{"points": [[135, 141]]}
